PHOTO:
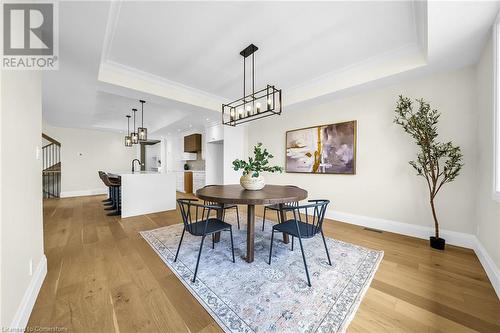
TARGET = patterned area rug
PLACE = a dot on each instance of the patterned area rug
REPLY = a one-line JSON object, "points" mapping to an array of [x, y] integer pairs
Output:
{"points": [[258, 297]]}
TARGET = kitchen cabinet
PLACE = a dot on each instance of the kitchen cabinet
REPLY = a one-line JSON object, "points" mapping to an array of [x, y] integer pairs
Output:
{"points": [[189, 156], [188, 182], [179, 181], [215, 133], [192, 143]]}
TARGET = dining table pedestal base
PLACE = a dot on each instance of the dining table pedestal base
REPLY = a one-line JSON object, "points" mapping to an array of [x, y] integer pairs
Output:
{"points": [[286, 239], [250, 232]]}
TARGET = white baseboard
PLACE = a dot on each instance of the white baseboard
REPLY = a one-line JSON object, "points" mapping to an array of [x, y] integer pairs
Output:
{"points": [[69, 194], [24, 310], [452, 237], [489, 265]]}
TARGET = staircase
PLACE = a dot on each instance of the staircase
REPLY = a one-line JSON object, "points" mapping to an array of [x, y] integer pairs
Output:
{"points": [[51, 169]]}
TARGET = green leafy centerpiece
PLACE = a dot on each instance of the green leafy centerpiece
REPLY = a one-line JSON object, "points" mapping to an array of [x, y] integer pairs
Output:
{"points": [[439, 163], [252, 178]]}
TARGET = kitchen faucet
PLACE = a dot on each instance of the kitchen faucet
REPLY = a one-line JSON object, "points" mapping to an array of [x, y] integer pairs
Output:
{"points": [[135, 159]]}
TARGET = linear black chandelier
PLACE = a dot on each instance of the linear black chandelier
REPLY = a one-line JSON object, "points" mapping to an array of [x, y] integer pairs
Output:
{"points": [[250, 107]]}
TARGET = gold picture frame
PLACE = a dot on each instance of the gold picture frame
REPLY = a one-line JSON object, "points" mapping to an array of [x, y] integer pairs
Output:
{"points": [[322, 149]]}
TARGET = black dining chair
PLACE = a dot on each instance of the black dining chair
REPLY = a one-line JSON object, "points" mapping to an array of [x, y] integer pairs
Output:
{"points": [[198, 222], [307, 222], [276, 208], [224, 208]]}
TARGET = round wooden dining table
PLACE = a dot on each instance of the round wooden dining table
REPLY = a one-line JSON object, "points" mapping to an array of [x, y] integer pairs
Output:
{"points": [[235, 194]]}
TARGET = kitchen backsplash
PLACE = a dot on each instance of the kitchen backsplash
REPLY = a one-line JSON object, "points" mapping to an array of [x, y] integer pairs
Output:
{"points": [[198, 164]]}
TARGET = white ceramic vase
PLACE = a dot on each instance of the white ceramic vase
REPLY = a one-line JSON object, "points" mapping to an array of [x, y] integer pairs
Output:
{"points": [[252, 183]]}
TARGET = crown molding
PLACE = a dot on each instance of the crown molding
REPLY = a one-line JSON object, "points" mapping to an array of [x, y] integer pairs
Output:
{"points": [[128, 77], [109, 34], [405, 58], [125, 76], [402, 59]]}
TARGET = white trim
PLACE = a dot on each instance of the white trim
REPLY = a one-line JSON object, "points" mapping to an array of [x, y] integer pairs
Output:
{"points": [[24, 310], [97, 191], [109, 34], [452, 237], [496, 112], [133, 78], [386, 64], [489, 265]]}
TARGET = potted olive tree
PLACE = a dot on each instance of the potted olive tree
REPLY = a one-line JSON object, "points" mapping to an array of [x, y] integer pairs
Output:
{"points": [[439, 163], [252, 178]]}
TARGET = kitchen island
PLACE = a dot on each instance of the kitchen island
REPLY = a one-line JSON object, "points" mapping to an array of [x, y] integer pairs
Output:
{"points": [[145, 192]]}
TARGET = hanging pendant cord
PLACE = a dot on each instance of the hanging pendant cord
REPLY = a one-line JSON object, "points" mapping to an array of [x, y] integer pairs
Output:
{"points": [[134, 118], [142, 114], [244, 79], [253, 75]]}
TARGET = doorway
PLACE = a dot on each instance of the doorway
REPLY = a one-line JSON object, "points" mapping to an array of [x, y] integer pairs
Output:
{"points": [[214, 160]]}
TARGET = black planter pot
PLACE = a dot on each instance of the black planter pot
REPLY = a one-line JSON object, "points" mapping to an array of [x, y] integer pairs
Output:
{"points": [[437, 243]]}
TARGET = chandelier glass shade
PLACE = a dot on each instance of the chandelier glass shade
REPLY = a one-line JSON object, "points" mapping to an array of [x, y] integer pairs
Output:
{"points": [[142, 131], [258, 104]]}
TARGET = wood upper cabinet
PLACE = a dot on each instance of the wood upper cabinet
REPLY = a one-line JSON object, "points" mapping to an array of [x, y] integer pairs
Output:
{"points": [[192, 143]]}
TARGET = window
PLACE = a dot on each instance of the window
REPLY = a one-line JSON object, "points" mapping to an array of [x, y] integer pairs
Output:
{"points": [[496, 110]]}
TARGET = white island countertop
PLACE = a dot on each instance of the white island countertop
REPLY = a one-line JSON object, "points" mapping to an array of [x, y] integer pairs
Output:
{"points": [[145, 192], [135, 173]]}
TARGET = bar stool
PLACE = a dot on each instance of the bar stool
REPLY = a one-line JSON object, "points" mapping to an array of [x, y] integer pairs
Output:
{"points": [[114, 184], [108, 201]]}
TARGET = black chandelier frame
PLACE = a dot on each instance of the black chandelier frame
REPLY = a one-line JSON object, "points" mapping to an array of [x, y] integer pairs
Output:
{"points": [[248, 107]]}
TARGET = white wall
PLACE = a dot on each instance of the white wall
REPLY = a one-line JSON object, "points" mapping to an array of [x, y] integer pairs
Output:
{"points": [[214, 163], [385, 186], [235, 147], [83, 153], [488, 210], [1, 198], [21, 196]]}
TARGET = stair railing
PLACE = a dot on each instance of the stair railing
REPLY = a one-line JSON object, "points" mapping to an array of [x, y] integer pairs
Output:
{"points": [[51, 168]]}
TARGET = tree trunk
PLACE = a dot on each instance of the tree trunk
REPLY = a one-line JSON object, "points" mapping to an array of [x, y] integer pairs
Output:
{"points": [[436, 223]]}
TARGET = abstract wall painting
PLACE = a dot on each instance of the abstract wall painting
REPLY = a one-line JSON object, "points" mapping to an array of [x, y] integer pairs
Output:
{"points": [[327, 149]]}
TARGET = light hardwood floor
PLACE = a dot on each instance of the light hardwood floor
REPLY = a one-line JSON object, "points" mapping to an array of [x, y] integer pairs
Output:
{"points": [[103, 277]]}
